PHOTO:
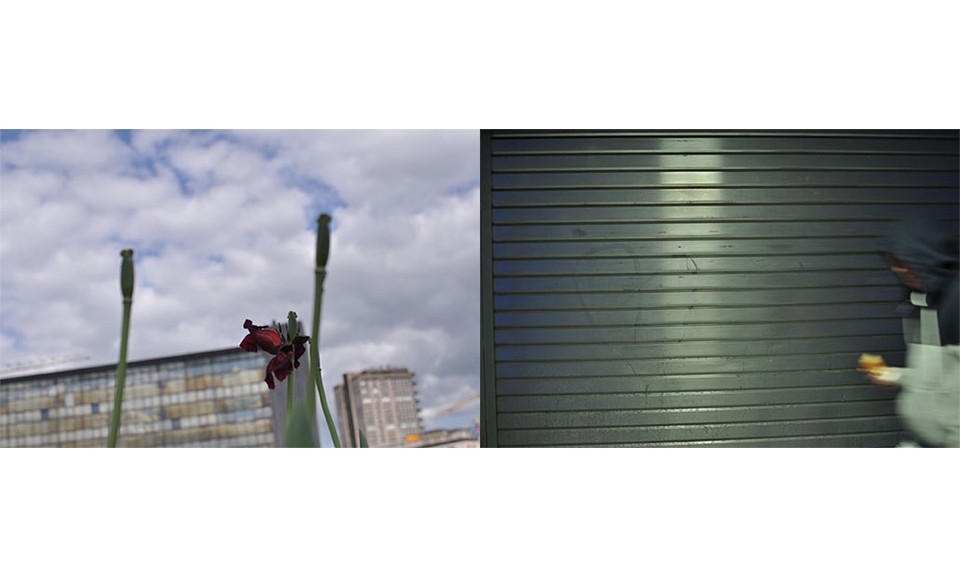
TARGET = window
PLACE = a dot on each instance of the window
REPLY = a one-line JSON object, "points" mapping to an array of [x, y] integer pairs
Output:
{"points": [[176, 423], [95, 408], [45, 414]]}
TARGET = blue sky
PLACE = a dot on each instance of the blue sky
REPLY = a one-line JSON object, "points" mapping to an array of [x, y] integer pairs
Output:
{"points": [[223, 227]]}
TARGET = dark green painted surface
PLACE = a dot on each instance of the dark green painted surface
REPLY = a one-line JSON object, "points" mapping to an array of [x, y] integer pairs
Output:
{"points": [[696, 288], [488, 382]]}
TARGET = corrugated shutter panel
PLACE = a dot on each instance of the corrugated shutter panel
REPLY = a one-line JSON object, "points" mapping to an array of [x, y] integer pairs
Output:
{"points": [[669, 289]]}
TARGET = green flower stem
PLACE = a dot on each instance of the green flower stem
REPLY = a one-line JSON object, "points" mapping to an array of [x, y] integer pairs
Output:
{"points": [[126, 288], [292, 331], [323, 253], [323, 397]]}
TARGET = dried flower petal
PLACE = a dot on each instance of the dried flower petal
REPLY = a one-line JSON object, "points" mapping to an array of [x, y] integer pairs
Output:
{"points": [[260, 337]]}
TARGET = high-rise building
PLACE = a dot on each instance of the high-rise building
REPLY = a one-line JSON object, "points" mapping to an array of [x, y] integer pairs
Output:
{"points": [[380, 402], [215, 398]]}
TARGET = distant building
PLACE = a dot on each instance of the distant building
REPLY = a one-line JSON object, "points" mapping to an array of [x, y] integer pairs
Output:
{"points": [[215, 398], [380, 402]]}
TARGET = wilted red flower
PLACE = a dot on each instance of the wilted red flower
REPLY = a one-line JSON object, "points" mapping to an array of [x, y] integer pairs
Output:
{"points": [[260, 338], [286, 354], [285, 361]]}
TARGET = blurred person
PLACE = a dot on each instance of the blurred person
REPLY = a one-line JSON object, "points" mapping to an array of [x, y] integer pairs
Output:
{"points": [[923, 255]]}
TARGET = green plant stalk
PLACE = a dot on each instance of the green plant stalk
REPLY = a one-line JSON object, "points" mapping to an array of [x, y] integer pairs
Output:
{"points": [[323, 253], [126, 288], [292, 331], [326, 409], [121, 377], [315, 337]]}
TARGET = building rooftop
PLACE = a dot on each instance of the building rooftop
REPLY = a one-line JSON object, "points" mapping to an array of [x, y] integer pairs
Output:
{"points": [[113, 366]]}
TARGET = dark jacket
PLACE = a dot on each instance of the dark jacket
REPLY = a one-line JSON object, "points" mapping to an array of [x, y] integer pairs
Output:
{"points": [[929, 248]]}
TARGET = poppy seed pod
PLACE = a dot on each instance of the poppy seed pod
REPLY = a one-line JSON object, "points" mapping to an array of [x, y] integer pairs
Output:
{"points": [[126, 274], [323, 240], [293, 326]]}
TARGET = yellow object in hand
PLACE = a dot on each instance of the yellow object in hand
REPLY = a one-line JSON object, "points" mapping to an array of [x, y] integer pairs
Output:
{"points": [[872, 363]]}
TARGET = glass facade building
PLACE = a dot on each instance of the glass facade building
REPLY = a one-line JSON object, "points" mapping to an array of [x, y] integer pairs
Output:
{"points": [[215, 398]]}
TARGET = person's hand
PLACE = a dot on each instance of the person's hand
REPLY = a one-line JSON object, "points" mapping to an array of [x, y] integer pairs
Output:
{"points": [[885, 384], [878, 372], [886, 377]]}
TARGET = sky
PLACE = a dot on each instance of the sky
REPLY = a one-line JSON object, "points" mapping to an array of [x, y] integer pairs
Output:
{"points": [[223, 227]]}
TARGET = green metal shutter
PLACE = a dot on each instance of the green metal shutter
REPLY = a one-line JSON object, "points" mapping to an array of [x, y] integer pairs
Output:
{"points": [[696, 288]]}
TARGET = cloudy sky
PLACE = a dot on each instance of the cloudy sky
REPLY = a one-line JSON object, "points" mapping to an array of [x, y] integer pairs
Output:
{"points": [[223, 228]]}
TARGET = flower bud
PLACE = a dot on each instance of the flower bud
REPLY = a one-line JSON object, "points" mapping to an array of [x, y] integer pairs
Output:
{"points": [[126, 274], [323, 240]]}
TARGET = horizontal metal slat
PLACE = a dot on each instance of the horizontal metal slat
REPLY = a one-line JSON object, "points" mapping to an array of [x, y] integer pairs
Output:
{"points": [[714, 178], [939, 143], [703, 415], [683, 246], [683, 161], [692, 282], [692, 315], [773, 234], [864, 440], [689, 307], [591, 386], [777, 233], [683, 264], [727, 195], [727, 219], [698, 432], [690, 365], [691, 332], [685, 400], [695, 349]]}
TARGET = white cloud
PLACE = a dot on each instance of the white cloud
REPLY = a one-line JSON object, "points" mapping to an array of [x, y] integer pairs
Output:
{"points": [[238, 242], [76, 151]]}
